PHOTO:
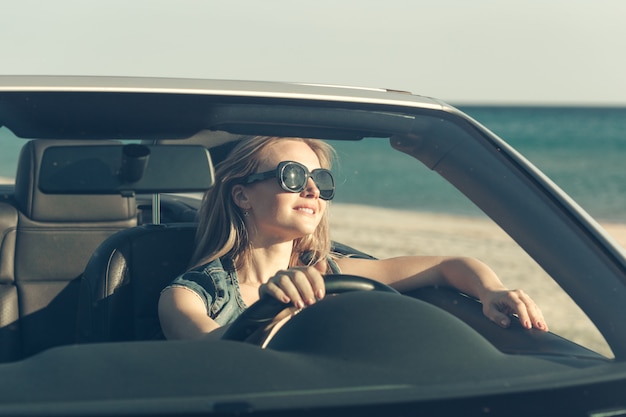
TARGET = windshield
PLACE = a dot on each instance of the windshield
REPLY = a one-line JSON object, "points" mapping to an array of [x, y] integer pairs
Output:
{"points": [[437, 219]]}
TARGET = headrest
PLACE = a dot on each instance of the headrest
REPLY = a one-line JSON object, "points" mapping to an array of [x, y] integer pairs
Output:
{"points": [[63, 207]]}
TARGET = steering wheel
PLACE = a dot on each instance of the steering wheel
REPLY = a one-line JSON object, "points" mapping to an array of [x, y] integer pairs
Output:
{"points": [[255, 324]]}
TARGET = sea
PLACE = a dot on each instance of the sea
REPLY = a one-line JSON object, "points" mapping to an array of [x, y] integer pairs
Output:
{"points": [[582, 149]]}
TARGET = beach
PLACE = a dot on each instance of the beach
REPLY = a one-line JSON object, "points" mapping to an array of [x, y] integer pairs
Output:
{"points": [[385, 233]]}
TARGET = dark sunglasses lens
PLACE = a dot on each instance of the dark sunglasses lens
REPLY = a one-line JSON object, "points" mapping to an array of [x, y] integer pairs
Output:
{"points": [[294, 177], [325, 183]]}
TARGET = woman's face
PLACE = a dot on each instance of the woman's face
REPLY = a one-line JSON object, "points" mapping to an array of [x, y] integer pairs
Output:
{"points": [[276, 215]]}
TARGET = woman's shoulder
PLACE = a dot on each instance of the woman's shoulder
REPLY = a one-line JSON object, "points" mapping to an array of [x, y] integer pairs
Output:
{"points": [[205, 275]]}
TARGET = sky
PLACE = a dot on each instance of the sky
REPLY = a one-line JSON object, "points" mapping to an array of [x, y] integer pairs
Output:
{"points": [[551, 52]]}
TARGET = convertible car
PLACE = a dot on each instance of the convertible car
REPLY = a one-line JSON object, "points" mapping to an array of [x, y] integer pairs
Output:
{"points": [[98, 214]]}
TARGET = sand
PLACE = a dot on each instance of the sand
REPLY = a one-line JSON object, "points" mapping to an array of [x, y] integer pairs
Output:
{"points": [[386, 233]]}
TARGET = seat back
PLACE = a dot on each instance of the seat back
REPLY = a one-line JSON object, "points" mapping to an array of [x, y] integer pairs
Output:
{"points": [[122, 282], [47, 240], [10, 340]]}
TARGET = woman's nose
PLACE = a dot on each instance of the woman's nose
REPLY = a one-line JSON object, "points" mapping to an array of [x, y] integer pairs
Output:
{"points": [[311, 189]]}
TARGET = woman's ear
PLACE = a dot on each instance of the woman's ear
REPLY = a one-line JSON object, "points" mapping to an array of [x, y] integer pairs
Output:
{"points": [[238, 192]]}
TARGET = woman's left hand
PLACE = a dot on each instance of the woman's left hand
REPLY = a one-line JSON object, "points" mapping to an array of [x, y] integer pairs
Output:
{"points": [[499, 305]]}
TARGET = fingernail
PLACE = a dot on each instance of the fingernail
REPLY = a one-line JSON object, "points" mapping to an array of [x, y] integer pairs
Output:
{"points": [[300, 304], [320, 294]]}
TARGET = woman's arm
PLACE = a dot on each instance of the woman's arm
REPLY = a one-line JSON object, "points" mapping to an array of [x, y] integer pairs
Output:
{"points": [[467, 275], [183, 316]]}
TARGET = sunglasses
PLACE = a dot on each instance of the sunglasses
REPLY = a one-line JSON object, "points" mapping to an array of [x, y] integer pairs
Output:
{"points": [[293, 176]]}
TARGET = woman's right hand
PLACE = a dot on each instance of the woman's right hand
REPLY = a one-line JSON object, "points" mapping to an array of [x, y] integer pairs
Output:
{"points": [[302, 286]]}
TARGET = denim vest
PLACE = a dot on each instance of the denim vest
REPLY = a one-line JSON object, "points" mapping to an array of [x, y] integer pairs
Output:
{"points": [[217, 285]]}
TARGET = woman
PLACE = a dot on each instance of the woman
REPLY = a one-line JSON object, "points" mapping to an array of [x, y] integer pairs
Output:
{"points": [[264, 230]]}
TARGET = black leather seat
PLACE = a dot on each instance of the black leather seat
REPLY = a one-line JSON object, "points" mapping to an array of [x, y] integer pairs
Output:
{"points": [[45, 243], [10, 338], [122, 282]]}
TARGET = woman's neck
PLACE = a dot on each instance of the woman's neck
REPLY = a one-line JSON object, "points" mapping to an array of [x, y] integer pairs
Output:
{"points": [[264, 263]]}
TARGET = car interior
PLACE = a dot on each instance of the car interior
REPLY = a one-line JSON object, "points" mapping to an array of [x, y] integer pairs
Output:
{"points": [[85, 261]]}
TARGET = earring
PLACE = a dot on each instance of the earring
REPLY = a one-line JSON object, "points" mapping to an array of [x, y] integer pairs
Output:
{"points": [[246, 213]]}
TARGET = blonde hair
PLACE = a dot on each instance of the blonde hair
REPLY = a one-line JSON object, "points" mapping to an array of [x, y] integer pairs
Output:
{"points": [[221, 228]]}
